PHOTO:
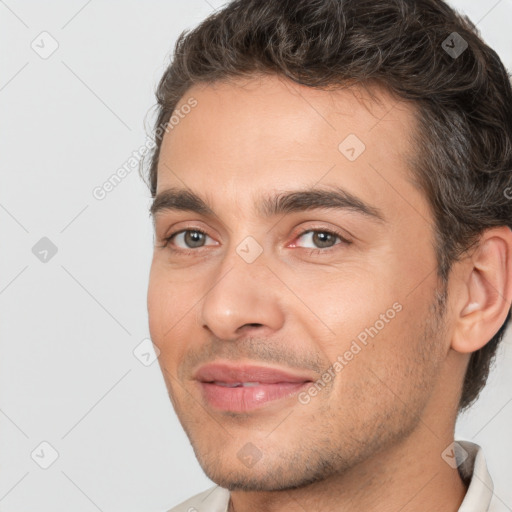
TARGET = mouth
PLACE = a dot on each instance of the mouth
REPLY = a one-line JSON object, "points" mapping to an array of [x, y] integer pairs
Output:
{"points": [[243, 388], [236, 384]]}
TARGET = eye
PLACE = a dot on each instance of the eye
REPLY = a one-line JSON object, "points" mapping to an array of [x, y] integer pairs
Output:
{"points": [[187, 239], [321, 238]]}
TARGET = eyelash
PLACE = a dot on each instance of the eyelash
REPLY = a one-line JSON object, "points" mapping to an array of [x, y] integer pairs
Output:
{"points": [[310, 252]]}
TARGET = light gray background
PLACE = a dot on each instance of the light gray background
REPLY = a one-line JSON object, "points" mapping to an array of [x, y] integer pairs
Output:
{"points": [[68, 327]]}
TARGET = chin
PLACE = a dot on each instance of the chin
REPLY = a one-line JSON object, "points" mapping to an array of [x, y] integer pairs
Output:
{"points": [[263, 478]]}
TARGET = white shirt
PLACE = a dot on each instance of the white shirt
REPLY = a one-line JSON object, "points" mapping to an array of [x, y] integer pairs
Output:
{"points": [[478, 496]]}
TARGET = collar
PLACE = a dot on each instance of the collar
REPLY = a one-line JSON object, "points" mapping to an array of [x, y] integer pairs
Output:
{"points": [[473, 469]]}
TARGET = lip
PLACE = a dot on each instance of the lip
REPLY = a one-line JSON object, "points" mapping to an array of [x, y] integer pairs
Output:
{"points": [[273, 384], [229, 373]]}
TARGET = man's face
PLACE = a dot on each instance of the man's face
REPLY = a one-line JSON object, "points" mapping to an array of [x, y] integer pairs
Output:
{"points": [[340, 298]]}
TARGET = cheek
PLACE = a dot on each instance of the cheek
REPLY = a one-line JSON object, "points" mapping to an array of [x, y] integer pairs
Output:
{"points": [[350, 303], [163, 306], [172, 307], [376, 324], [169, 296], [388, 374], [155, 296]]}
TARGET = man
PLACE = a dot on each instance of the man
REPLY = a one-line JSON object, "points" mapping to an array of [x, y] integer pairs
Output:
{"points": [[332, 274]]}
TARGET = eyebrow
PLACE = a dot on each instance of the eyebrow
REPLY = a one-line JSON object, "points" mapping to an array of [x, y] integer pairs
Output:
{"points": [[335, 198]]}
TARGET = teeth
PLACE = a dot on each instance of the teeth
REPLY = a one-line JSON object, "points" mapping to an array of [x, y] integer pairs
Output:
{"points": [[237, 384]]}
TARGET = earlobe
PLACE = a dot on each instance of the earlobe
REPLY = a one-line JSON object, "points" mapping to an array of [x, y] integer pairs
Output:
{"points": [[487, 293]]}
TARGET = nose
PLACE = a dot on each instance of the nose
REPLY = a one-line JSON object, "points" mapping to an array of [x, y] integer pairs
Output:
{"points": [[242, 297]]}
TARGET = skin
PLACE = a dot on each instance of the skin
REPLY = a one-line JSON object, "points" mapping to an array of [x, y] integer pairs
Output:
{"points": [[372, 438]]}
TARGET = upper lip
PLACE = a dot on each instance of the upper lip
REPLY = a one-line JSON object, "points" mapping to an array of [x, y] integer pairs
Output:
{"points": [[228, 373]]}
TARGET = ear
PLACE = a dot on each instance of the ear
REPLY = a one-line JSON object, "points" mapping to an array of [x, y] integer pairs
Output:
{"points": [[486, 292]]}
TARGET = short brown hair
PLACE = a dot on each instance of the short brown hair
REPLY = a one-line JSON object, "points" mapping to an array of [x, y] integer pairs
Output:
{"points": [[422, 51]]}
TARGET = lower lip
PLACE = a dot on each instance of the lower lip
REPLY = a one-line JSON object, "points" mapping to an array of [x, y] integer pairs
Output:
{"points": [[244, 399]]}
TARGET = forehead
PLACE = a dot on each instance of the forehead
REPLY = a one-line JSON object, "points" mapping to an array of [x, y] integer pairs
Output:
{"points": [[270, 104], [247, 136]]}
